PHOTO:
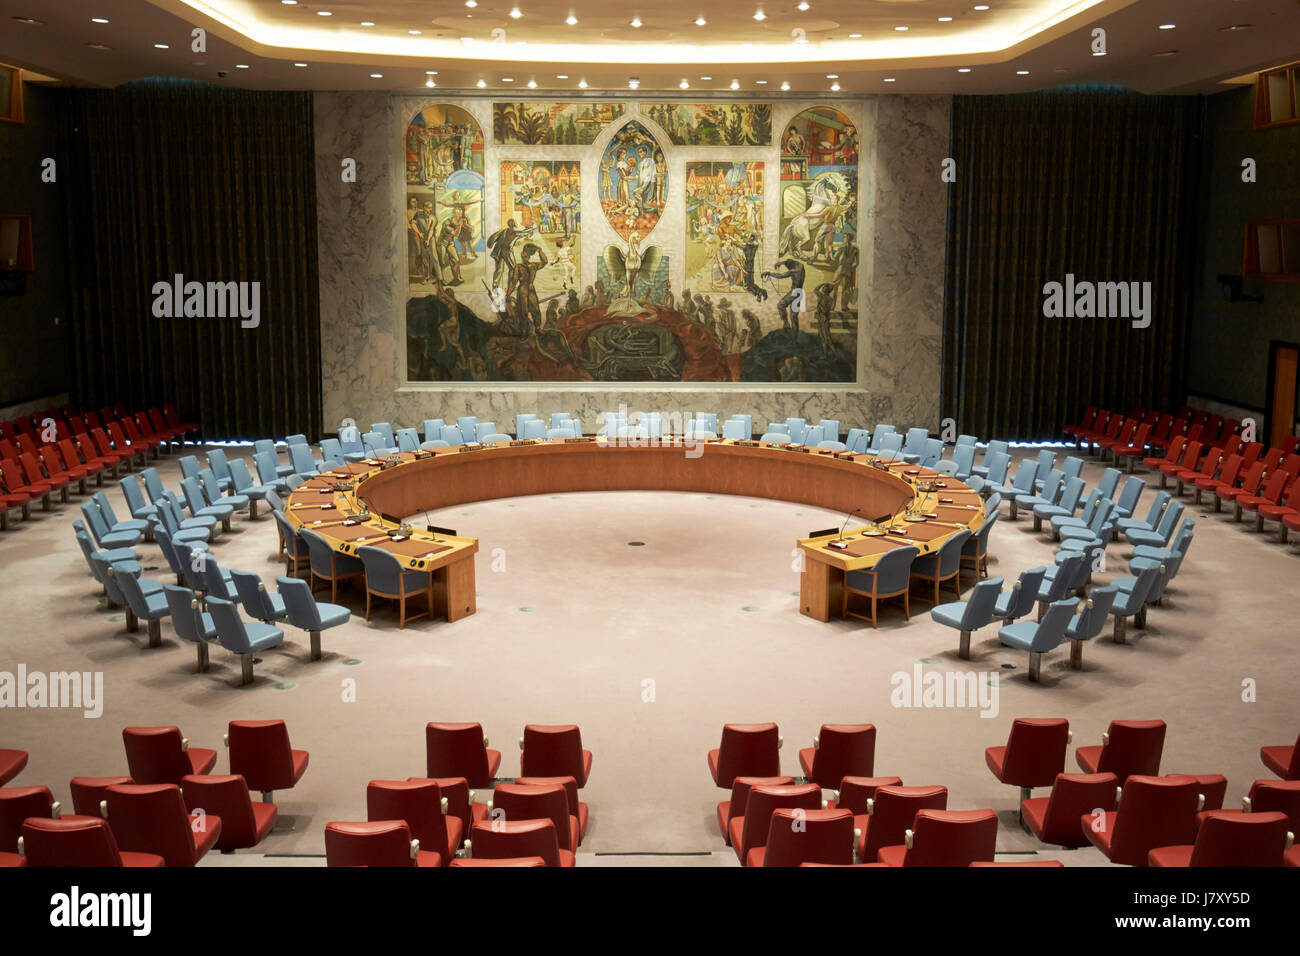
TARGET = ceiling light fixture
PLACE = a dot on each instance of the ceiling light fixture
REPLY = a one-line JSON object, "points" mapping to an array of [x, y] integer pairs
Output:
{"points": [[571, 20], [633, 83], [804, 4], [1168, 26], [735, 84], [324, 13], [98, 20], [481, 83], [29, 21], [855, 36], [900, 29], [963, 69], [981, 7], [759, 15], [761, 82], [300, 64], [700, 21], [532, 84], [582, 84], [1022, 72], [430, 72], [832, 76], [471, 3], [160, 46], [835, 87], [516, 13], [636, 22], [785, 86], [241, 66], [889, 79], [367, 23], [414, 33], [507, 79], [945, 19], [683, 85], [561, 76], [706, 78], [429, 83]]}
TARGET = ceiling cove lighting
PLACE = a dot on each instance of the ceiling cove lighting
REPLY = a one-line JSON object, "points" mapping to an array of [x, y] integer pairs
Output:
{"points": [[98, 20], [636, 23], [515, 13], [481, 83], [532, 84], [835, 87], [785, 85], [700, 21], [429, 83], [683, 85], [582, 84], [759, 15], [571, 20]]}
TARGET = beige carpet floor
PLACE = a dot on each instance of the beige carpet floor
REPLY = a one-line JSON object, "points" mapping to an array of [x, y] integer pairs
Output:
{"points": [[650, 649]]}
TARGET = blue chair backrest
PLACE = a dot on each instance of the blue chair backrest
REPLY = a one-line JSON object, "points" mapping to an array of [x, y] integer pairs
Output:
{"points": [[950, 553], [273, 500], [779, 427], [1052, 484], [1025, 475], [1051, 629], [519, 422], [534, 428], [372, 443], [466, 425], [565, 431], [707, 420], [385, 429], [1171, 516], [879, 434], [408, 439], [483, 429], [299, 603], [187, 619], [291, 440], [94, 520], [775, 438], [451, 435], [1046, 460], [300, 458], [979, 606], [264, 445], [894, 568], [1073, 467], [331, 449], [891, 446], [1070, 495], [963, 440], [1157, 506], [995, 447], [915, 443], [964, 456], [1129, 494], [230, 626], [1109, 482], [1132, 602], [266, 464], [134, 498], [1067, 572], [349, 441], [857, 440], [252, 594], [1095, 611], [734, 430], [830, 428], [998, 465], [558, 419], [748, 422], [383, 571], [153, 484], [933, 452], [218, 463], [189, 466], [1026, 590], [812, 436], [433, 429]]}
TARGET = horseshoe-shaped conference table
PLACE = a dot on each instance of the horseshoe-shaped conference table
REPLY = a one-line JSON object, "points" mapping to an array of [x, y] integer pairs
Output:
{"points": [[912, 506]]}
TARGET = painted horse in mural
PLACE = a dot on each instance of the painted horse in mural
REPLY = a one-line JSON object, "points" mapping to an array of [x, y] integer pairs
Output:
{"points": [[818, 200]]}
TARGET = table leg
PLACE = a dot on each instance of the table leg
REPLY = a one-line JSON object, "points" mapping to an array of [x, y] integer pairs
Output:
{"points": [[820, 587], [458, 588]]}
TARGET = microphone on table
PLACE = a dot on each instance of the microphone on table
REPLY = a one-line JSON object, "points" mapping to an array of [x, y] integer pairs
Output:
{"points": [[428, 526], [839, 542]]}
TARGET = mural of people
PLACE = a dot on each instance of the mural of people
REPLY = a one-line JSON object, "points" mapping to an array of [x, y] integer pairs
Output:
{"points": [[638, 181]]}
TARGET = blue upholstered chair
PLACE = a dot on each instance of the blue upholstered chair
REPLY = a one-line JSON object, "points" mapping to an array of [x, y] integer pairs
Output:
{"points": [[914, 445], [110, 516], [200, 507], [534, 428], [830, 429], [878, 435], [1097, 528], [708, 420], [1019, 601], [134, 498], [1133, 602], [189, 622], [305, 612], [106, 539], [971, 614], [303, 463], [1164, 532], [263, 605], [242, 638], [519, 423], [189, 466], [212, 492], [1046, 461], [889, 577], [775, 438], [220, 467], [107, 557], [994, 448], [385, 430], [292, 546], [242, 484], [1152, 519], [433, 429], [734, 430], [932, 453], [811, 436], [181, 528], [564, 431], [966, 440], [857, 440], [332, 455], [890, 447], [975, 552], [964, 457], [1023, 483], [781, 428], [375, 445], [483, 429], [213, 580], [171, 555], [386, 578], [1128, 496], [267, 446], [1066, 505], [1049, 489], [145, 600], [408, 439], [1172, 559], [350, 443], [452, 435], [1039, 637], [327, 564], [467, 424], [942, 565], [1088, 623], [747, 421], [268, 472], [832, 445], [1062, 579], [558, 419]]}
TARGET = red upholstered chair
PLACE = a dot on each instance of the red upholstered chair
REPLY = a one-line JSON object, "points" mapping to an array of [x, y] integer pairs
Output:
{"points": [[89, 792], [576, 807], [750, 830], [1282, 760], [806, 836], [1282, 796], [746, 750], [1153, 812], [510, 839], [456, 791], [162, 755], [1034, 753], [839, 751], [946, 838], [19, 803], [1213, 787], [1128, 747], [11, 764], [510, 861], [1052, 863], [420, 804], [261, 754], [1231, 838], [375, 843], [554, 751], [77, 841], [1055, 818], [854, 792], [548, 802], [889, 814], [460, 750], [244, 822], [734, 808], [152, 818]]}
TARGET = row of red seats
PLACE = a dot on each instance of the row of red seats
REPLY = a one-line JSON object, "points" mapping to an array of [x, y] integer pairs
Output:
{"points": [[772, 820], [38, 463], [429, 821], [169, 810], [66, 417]]}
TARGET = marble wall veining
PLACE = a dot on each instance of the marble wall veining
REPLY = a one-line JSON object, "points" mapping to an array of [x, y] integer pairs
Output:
{"points": [[902, 227]]}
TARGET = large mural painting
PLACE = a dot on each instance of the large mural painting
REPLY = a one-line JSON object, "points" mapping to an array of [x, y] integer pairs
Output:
{"points": [[637, 275]]}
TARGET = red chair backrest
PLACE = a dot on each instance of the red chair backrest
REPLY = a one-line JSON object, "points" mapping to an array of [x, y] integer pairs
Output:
{"points": [[152, 818], [50, 459], [764, 800], [1231, 469], [457, 750], [893, 810], [527, 802], [1274, 486], [16, 805], [1134, 746], [155, 754], [844, 750], [1290, 443], [1141, 436], [809, 836], [569, 784], [226, 797], [1254, 475], [1035, 751], [374, 843], [856, 791], [30, 468], [1194, 431], [1277, 795], [507, 839], [1164, 428], [552, 751], [1153, 812], [75, 841], [455, 790], [1228, 838], [260, 752], [70, 456], [741, 786], [87, 792], [1074, 796], [952, 837], [1250, 453], [748, 750], [419, 803], [1175, 449]]}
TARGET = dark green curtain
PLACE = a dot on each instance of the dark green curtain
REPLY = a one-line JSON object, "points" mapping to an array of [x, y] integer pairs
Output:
{"points": [[1096, 182], [169, 177]]}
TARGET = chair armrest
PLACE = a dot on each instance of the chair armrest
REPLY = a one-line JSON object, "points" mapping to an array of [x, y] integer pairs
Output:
{"points": [[103, 809], [486, 743], [1290, 840], [1105, 739], [443, 804], [521, 743], [1069, 737], [817, 742], [185, 741], [907, 838], [1200, 802], [871, 806], [54, 810], [415, 849], [780, 742], [1245, 804], [224, 737]]}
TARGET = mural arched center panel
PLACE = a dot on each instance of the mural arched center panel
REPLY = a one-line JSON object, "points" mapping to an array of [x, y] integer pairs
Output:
{"points": [[633, 181]]}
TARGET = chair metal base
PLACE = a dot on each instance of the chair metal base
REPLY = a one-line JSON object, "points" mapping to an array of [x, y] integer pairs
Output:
{"points": [[1035, 665], [1076, 655], [315, 645], [155, 632], [964, 650], [202, 651], [246, 669]]}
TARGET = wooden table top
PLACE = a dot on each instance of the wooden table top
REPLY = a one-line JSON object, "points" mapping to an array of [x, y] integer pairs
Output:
{"points": [[443, 477]]}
